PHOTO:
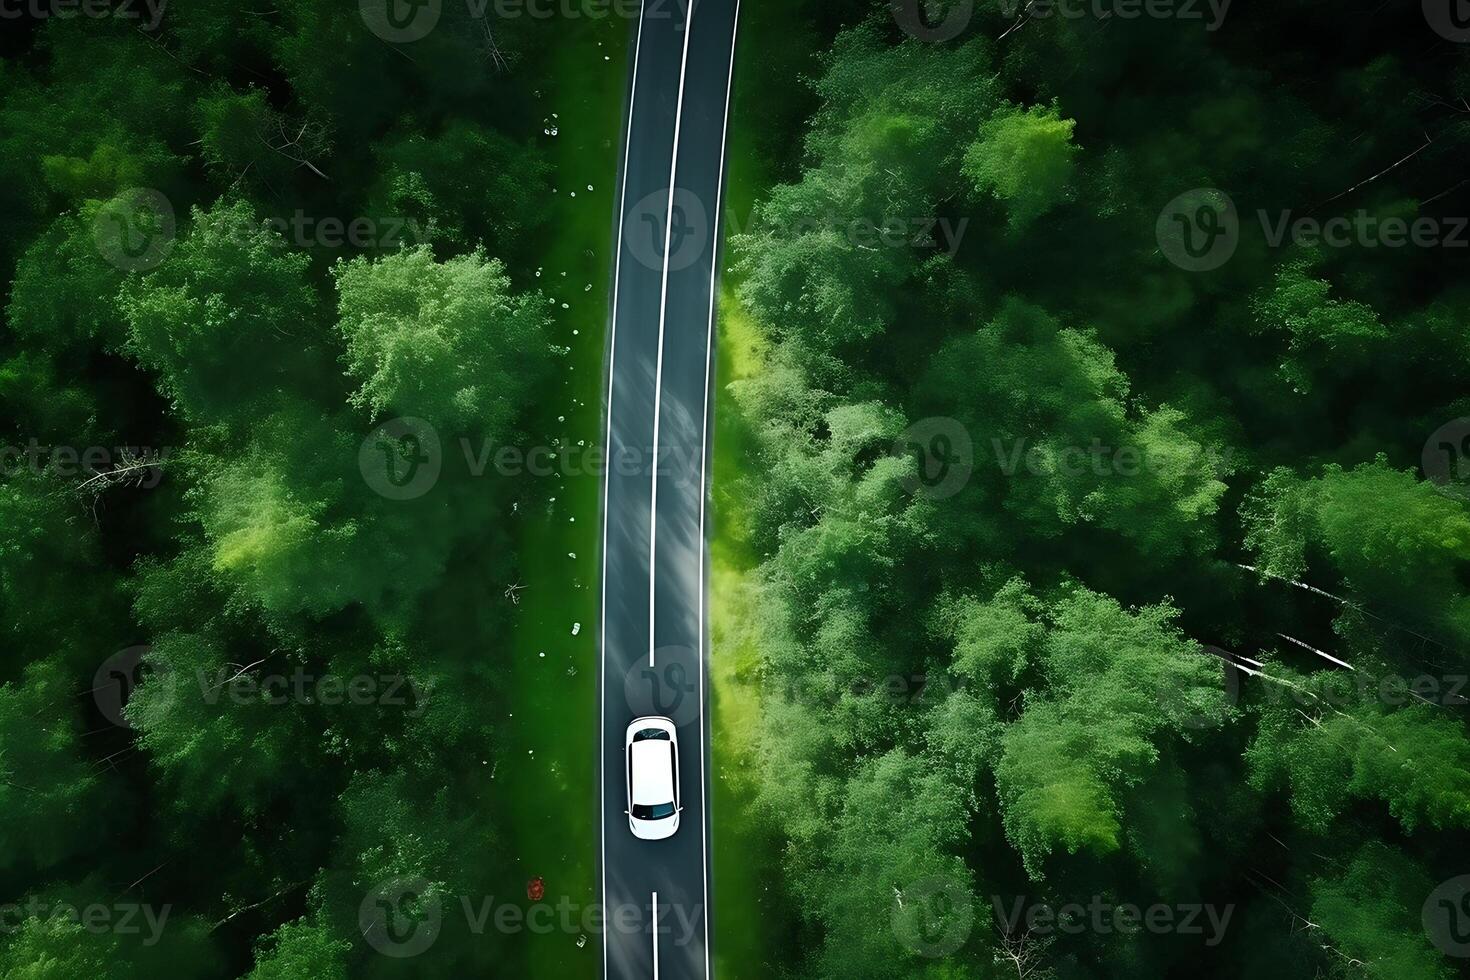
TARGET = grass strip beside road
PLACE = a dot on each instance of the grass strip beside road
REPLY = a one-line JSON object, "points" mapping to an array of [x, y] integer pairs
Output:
{"points": [[549, 764], [752, 926]]}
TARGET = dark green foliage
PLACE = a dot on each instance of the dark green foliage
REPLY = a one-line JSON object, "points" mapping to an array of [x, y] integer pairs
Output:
{"points": [[466, 186], [1370, 912], [230, 294], [178, 727]]}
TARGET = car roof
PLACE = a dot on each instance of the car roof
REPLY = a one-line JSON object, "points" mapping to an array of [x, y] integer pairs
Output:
{"points": [[653, 771]]}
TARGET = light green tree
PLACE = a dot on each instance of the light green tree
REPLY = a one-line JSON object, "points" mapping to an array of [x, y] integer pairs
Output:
{"points": [[444, 341], [1024, 158]]}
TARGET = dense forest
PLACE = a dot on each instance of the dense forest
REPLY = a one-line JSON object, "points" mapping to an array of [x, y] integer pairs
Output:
{"points": [[258, 258], [1104, 492], [1102, 487]]}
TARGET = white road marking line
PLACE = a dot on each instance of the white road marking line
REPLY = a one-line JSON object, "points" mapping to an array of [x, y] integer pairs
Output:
{"points": [[655, 936], [607, 473], [663, 310], [709, 347]]}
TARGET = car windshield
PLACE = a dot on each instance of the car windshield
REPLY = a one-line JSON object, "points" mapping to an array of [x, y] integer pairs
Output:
{"points": [[656, 812]]}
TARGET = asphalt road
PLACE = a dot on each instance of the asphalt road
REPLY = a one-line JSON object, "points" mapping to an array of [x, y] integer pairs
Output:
{"points": [[659, 365]]}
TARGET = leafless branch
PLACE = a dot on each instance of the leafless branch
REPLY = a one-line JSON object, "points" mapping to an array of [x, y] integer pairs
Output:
{"points": [[1391, 167], [255, 905]]}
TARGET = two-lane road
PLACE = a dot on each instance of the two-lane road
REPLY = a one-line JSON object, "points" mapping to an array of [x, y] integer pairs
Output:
{"points": [[659, 362]]}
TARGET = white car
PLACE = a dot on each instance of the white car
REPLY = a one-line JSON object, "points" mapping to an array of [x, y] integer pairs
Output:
{"points": [[652, 747]]}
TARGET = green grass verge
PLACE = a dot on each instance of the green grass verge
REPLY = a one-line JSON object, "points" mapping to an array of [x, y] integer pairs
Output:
{"points": [[749, 917], [753, 924], [549, 762]]}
